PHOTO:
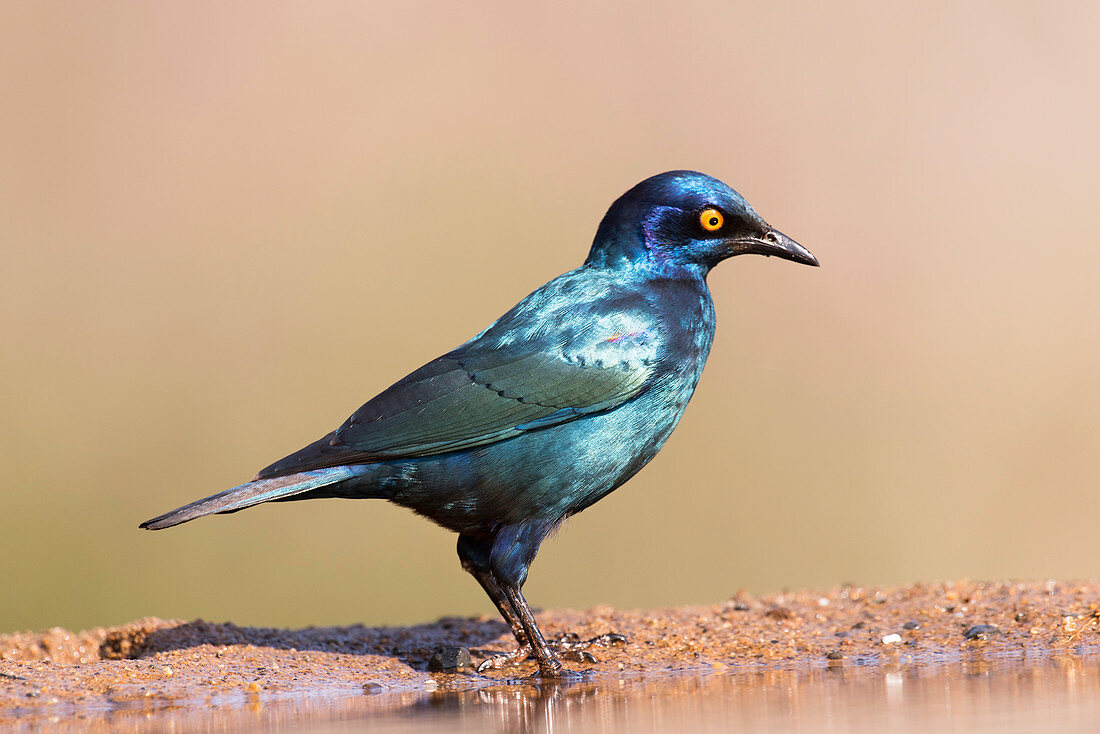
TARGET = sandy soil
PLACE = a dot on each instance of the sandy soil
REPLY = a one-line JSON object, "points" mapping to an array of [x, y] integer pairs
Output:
{"points": [[154, 664]]}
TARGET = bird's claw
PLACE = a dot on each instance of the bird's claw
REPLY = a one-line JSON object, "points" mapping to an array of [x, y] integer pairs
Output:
{"points": [[569, 646]]}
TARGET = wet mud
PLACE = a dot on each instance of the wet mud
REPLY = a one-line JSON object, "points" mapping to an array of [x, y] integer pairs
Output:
{"points": [[135, 675]]}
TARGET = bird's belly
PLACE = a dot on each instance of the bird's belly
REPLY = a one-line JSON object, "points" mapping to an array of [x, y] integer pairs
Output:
{"points": [[549, 473]]}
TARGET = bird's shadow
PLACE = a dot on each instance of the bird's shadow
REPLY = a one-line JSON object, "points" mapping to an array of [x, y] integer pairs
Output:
{"points": [[412, 645]]}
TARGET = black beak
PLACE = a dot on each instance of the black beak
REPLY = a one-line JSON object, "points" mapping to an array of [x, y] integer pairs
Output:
{"points": [[777, 244]]}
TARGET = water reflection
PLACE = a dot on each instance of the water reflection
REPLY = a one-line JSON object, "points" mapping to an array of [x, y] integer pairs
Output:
{"points": [[1003, 695]]}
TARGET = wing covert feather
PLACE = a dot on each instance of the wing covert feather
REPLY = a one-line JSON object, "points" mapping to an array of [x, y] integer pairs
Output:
{"points": [[461, 401]]}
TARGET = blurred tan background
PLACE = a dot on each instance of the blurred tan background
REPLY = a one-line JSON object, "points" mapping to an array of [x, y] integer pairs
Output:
{"points": [[225, 226]]}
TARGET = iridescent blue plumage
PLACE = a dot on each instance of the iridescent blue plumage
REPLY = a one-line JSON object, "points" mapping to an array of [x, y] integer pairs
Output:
{"points": [[554, 405]]}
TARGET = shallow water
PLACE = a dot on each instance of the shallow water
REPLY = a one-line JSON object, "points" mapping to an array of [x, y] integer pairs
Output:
{"points": [[1005, 696], [977, 694]]}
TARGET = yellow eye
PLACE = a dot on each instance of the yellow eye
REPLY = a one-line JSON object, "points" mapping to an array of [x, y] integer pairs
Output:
{"points": [[711, 220]]}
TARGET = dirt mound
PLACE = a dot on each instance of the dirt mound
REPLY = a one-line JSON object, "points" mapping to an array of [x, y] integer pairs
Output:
{"points": [[187, 663]]}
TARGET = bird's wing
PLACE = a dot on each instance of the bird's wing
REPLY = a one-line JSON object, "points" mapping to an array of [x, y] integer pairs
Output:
{"points": [[463, 400], [538, 366]]}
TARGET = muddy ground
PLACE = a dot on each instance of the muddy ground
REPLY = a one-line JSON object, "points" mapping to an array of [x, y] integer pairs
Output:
{"points": [[153, 664]]}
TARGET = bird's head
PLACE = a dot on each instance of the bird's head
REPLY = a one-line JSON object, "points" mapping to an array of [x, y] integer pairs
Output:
{"points": [[686, 219]]}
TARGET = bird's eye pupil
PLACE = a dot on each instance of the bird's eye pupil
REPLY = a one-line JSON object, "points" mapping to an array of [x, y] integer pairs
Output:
{"points": [[714, 221]]}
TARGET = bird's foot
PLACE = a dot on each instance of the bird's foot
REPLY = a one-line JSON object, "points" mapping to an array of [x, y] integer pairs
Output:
{"points": [[571, 643], [568, 646], [505, 659]]}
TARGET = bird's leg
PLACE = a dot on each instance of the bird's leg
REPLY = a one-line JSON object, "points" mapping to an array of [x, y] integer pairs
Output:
{"points": [[569, 644], [549, 664], [524, 649], [475, 559], [500, 566], [492, 588]]}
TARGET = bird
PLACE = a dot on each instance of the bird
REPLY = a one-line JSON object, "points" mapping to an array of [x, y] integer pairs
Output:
{"points": [[550, 408]]}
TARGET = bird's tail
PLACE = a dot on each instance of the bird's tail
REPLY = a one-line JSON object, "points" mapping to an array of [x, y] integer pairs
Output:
{"points": [[253, 493]]}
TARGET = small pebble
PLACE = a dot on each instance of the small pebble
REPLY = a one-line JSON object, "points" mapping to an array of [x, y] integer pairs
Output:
{"points": [[891, 639], [450, 660], [981, 632], [834, 655], [1021, 616], [911, 625]]}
